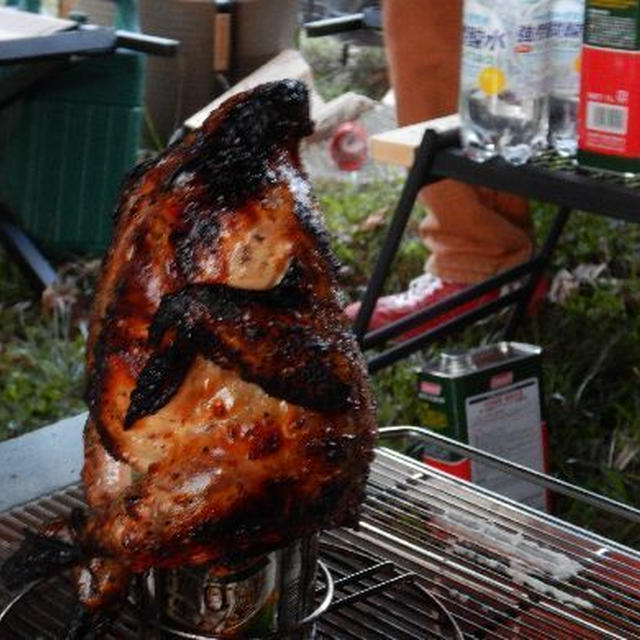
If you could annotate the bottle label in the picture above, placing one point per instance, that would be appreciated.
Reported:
(566, 41)
(503, 99)
(505, 49)
(532, 28)
(484, 43)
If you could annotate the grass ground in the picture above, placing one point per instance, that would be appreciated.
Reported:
(41, 348)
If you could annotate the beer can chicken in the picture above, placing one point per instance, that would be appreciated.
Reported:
(229, 411)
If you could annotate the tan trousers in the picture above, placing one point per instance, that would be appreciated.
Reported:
(471, 232)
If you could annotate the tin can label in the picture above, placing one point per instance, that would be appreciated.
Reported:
(222, 601)
(507, 422)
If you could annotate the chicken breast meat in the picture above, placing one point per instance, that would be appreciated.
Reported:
(229, 406)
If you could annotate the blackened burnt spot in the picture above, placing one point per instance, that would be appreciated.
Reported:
(308, 218)
(287, 359)
(333, 493)
(130, 505)
(293, 290)
(332, 448)
(255, 332)
(196, 237)
(265, 444)
(159, 381)
(253, 515)
(231, 159)
(195, 303)
(300, 371)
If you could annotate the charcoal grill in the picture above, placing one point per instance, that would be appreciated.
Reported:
(434, 557)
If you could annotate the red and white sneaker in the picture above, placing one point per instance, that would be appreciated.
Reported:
(423, 292)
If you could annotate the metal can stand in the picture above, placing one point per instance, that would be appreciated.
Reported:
(272, 595)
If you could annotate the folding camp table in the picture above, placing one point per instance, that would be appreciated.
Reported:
(431, 150)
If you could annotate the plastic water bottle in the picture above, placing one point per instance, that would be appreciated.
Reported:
(503, 94)
(567, 19)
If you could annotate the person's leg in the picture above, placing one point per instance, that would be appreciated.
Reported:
(471, 232)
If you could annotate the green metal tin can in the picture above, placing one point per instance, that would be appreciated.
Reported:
(488, 397)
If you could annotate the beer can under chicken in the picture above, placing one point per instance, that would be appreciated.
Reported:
(257, 598)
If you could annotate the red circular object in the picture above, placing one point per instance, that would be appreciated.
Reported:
(348, 146)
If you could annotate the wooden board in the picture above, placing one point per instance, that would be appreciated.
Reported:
(398, 146)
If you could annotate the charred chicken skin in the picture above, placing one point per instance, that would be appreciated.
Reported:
(228, 401)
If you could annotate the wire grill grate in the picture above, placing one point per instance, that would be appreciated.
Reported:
(501, 570)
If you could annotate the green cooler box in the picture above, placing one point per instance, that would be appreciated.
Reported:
(66, 146)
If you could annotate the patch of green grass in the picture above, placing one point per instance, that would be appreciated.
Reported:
(41, 377)
(357, 218)
(41, 357)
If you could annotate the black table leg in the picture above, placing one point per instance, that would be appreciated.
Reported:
(417, 178)
(544, 255)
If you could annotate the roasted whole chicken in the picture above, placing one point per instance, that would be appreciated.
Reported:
(229, 411)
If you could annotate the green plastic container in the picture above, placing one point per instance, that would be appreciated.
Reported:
(67, 145)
